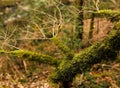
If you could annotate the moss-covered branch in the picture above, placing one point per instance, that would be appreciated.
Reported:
(66, 50)
(2, 51)
(113, 16)
(32, 56)
(106, 50)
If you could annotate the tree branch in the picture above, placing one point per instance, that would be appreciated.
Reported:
(82, 62)
(113, 16)
(32, 56)
(66, 50)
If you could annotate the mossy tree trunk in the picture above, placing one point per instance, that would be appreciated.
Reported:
(82, 62)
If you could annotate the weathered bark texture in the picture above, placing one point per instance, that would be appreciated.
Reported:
(91, 26)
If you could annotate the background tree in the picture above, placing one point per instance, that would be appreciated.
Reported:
(79, 21)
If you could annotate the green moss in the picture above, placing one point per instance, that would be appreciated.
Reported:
(82, 62)
(66, 50)
(111, 15)
(31, 56)
(117, 26)
(2, 51)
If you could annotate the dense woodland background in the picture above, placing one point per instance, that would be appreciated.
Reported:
(59, 44)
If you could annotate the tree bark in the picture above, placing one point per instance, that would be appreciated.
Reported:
(91, 28)
(83, 61)
(79, 19)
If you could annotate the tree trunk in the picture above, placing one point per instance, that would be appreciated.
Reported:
(91, 29)
(82, 62)
(79, 19)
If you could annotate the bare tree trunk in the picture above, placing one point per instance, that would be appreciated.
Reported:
(91, 26)
(79, 20)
